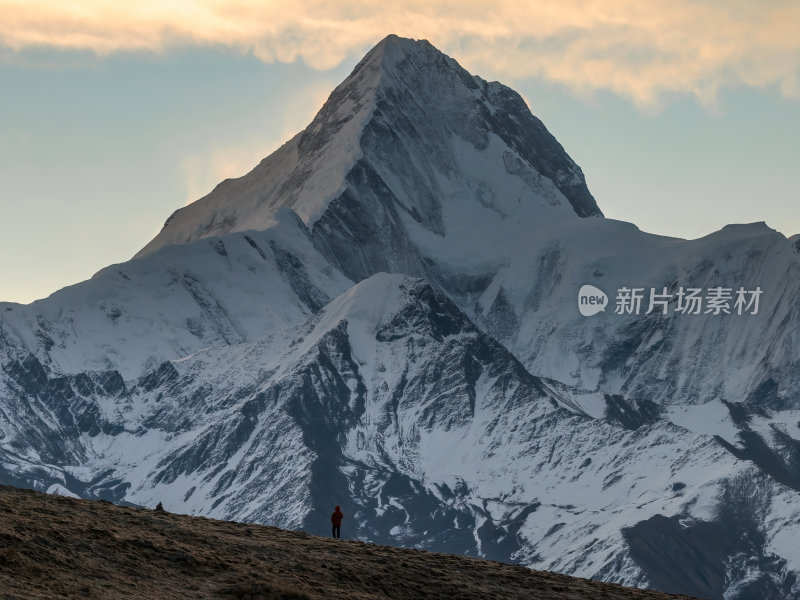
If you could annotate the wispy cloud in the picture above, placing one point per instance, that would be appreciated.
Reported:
(639, 50)
(207, 166)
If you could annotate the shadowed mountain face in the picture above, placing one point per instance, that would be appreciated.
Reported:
(383, 315)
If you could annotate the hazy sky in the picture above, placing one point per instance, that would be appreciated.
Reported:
(683, 118)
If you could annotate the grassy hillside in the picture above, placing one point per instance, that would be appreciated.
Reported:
(53, 547)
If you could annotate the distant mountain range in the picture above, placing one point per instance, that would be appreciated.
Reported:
(385, 314)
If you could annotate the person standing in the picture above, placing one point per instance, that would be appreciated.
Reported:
(336, 522)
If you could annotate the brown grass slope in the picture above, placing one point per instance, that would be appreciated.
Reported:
(55, 547)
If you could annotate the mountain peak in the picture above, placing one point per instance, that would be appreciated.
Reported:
(396, 58)
(405, 305)
(395, 129)
(393, 48)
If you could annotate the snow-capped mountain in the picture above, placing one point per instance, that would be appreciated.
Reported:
(412, 161)
(384, 314)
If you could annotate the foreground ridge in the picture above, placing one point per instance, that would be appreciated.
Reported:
(52, 546)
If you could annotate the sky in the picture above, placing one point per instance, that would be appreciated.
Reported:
(683, 115)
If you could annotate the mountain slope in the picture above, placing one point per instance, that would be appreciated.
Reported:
(428, 432)
(181, 299)
(137, 553)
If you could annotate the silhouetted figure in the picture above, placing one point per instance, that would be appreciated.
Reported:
(336, 521)
(160, 507)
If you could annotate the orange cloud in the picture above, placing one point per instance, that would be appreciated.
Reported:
(636, 49)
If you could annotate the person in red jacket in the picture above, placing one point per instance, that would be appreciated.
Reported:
(336, 521)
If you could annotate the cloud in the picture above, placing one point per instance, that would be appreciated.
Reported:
(204, 168)
(640, 50)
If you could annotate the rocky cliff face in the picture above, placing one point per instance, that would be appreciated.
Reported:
(384, 315)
